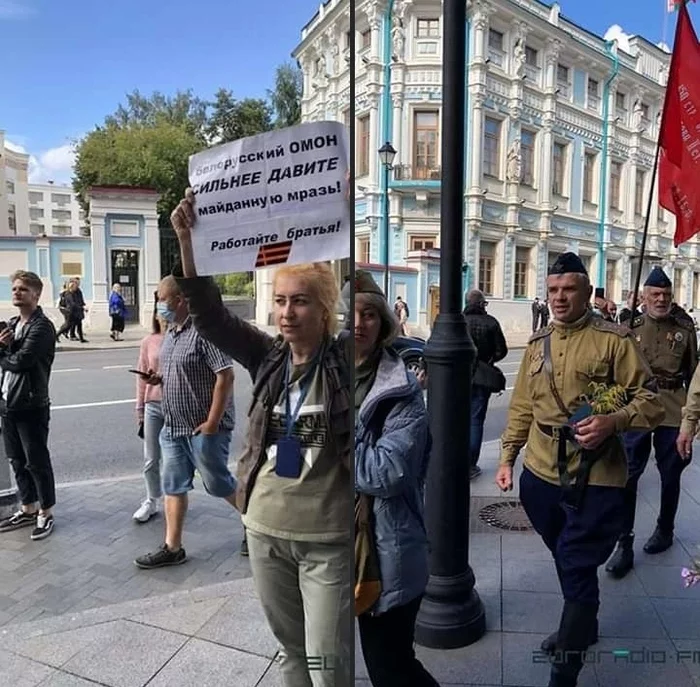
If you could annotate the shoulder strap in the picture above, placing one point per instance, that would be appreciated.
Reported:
(550, 375)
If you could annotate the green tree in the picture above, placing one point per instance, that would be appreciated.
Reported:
(285, 97)
(153, 156)
(231, 119)
(236, 284)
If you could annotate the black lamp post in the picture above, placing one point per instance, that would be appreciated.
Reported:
(386, 157)
(452, 614)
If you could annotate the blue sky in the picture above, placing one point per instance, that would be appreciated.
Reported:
(67, 64)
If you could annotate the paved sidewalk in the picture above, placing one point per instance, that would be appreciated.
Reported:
(75, 611)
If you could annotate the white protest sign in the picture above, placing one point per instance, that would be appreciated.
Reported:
(273, 199)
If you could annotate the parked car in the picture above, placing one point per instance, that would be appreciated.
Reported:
(410, 349)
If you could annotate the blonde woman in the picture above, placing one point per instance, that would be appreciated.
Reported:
(295, 475)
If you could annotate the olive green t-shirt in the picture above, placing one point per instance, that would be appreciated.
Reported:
(313, 507)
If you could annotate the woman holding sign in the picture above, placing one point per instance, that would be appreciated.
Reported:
(295, 476)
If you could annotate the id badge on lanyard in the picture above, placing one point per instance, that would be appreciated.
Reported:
(289, 460)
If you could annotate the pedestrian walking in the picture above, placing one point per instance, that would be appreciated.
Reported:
(64, 309)
(117, 311)
(487, 335)
(574, 473)
(392, 443)
(149, 411)
(295, 475)
(27, 349)
(669, 344)
(544, 313)
(198, 412)
(78, 310)
(536, 308)
(72, 310)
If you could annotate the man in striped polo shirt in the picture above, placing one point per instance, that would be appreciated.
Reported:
(198, 407)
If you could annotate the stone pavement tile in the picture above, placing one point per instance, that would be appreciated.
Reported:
(524, 547)
(630, 616)
(492, 608)
(57, 648)
(241, 624)
(666, 581)
(479, 663)
(524, 664)
(60, 679)
(127, 654)
(679, 617)
(187, 620)
(18, 671)
(535, 612)
(484, 547)
(688, 653)
(629, 585)
(272, 678)
(651, 662)
(210, 665)
(530, 576)
(487, 574)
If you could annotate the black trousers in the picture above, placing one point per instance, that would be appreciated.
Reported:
(387, 646)
(76, 327)
(117, 323)
(26, 437)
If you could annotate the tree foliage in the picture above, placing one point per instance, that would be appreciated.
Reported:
(148, 139)
(285, 97)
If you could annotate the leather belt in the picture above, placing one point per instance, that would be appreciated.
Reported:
(669, 384)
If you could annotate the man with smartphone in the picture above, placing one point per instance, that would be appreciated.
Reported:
(27, 348)
(198, 410)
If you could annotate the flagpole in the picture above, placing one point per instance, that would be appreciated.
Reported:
(645, 233)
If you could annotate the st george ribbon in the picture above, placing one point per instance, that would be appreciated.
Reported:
(272, 199)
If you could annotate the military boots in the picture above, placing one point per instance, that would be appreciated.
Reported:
(659, 541)
(622, 560)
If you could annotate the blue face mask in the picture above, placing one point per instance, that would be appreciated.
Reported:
(165, 312)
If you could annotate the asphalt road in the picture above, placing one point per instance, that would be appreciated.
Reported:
(93, 418)
(93, 421)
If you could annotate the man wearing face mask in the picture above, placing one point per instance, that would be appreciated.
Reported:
(198, 410)
(669, 344)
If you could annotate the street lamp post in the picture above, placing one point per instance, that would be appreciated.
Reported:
(452, 614)
(386, 157)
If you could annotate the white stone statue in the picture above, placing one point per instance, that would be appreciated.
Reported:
(398, 38)
(513, 165)
(638, 115)
(335, 54)
(519, 57)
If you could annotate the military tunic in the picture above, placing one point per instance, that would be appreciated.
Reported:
(590, 350)
(670, 347)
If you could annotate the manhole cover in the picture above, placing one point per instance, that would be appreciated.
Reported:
(506, 515)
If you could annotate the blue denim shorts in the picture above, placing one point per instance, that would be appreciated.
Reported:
(207, 453)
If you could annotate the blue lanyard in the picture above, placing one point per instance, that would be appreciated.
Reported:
(304, 386)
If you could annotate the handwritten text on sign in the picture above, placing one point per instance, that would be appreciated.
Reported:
(268, 199)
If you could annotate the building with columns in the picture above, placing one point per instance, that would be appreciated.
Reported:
(561, 128)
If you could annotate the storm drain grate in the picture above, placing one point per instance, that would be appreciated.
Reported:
(489, 514)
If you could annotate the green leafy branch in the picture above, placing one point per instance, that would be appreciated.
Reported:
(604, 399)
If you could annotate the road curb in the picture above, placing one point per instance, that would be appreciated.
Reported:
(61, 348)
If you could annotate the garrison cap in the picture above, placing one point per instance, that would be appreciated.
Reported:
(568, 263)
(364, 283)
(657, 278)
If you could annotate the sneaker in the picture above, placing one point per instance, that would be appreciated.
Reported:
(146, 511)
(244, 547)
(161, 558)
(44, 527)
(18, 520)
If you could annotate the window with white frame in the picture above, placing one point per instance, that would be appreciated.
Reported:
(593, 94)
(492, 147)
(615, 178)
(496, 52)
(589, 160)
(639, 192)
(363, 249)
(487, 261)
(558, 168)
(427, 28)
(563, 80)
(520, 275)
(422, 242)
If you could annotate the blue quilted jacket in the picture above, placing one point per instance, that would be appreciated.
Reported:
(392, 442)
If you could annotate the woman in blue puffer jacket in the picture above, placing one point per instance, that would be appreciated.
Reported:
(391, 454)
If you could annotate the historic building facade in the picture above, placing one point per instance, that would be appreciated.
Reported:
(561, 129)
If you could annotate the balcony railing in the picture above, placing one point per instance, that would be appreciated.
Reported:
(417, 173)
(593, 102)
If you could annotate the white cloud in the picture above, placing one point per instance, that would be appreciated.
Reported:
(615, 33)
(54, 164)
(15, 9)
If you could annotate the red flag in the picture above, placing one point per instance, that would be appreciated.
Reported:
(679, 137)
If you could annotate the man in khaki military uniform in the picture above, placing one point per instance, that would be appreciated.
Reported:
(574, 473)
(669, 344)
